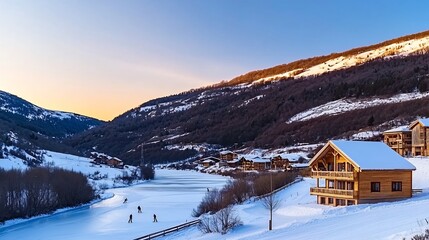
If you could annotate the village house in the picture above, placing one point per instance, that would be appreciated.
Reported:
(227, 155)
(278, 162)
(257, 163)
(115, 162)
(101, 158)
(354, 172)
(208, 161)
(420, 137)
(399, 139)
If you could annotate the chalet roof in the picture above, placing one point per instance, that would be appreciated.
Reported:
(226, 152)
(398, 129)
(423, 121)
(210, 158)
(369, 155)
(208, 161)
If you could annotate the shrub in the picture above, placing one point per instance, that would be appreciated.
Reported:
(220, 222)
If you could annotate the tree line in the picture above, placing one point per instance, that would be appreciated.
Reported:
(36, 191)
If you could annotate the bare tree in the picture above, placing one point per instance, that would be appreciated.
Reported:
(221, 222)
(270, 201)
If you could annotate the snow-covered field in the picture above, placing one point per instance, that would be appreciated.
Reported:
(173, 195)
(299, 217)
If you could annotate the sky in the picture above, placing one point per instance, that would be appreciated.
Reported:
(102, 58)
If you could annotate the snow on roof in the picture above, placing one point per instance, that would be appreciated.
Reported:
(372, 155)
(399, 129)
(424, 122)
(225, 152)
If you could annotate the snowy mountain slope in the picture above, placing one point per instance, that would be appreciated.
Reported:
(271, 114)
(345, 105)
(395, 50)
(51, 123)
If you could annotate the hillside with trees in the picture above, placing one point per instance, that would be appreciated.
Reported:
(257, 115)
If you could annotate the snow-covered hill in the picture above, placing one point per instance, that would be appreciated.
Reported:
(399, 49)
(23, 114)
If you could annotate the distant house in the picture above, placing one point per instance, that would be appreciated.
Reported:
(101, 158)
(227, 155)
(115, 162)
(255, 163)
(420, 137)
(278, 162)
(399, 139)
(353, 172)
(246, 164)
(208, 161)
(261, 164)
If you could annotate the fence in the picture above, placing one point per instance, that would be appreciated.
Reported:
(168, 230)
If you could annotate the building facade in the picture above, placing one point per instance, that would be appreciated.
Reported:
(353, 172)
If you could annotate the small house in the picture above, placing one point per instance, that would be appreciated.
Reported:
(399, 139)
(278, 162)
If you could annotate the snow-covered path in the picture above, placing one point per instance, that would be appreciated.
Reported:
(171, 196)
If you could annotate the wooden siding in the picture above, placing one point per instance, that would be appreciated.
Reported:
(385, 178)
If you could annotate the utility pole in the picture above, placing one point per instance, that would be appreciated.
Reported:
(142, 155)
(270, 225)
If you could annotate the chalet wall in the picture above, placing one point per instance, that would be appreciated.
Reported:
(385, 178)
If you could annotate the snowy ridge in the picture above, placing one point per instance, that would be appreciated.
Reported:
(401, 49)
(345, 105)
(8, 103)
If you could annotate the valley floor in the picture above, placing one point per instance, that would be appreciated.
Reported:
(173, 195)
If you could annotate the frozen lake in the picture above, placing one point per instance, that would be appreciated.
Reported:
(171, 196)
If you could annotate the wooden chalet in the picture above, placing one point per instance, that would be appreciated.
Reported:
(279, 162)
(208, 161)
(227, 156)
(115, 162)
(261, 164)
(353, 172)
(257, 163)
(420, 137)
(399, 139)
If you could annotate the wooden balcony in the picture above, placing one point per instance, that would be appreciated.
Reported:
(333, 192)
(334, 175)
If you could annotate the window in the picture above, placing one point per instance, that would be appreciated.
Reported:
(375, 186)
(341, 167)
(322, 200)
(330, 200)
(330, 183)
(396, 186)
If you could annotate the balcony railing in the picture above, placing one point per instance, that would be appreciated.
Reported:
(332, 174)
(331, 191)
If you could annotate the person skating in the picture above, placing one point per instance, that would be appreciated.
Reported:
(125, 200)
(139, 209)
(131, 219)
(154, 218)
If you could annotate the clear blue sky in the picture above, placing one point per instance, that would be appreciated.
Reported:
(101, 58)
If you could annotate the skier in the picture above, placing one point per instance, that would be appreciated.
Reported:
(154, 218)
(131, 219)
(139, 209)
(125, 200)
